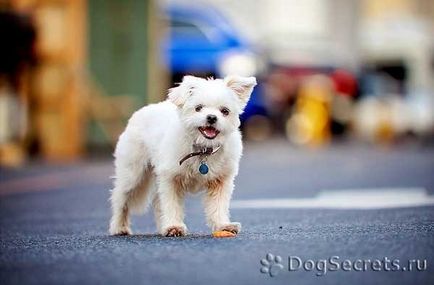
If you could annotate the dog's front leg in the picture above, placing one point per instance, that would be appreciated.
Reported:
(216, 200)
(170, 207)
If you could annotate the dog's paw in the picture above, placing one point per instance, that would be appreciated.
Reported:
(120, 231)
(233, 227)
(175, 231)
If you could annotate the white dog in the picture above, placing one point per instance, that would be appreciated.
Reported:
(187, 143)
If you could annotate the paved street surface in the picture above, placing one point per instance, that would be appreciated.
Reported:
(53, 223)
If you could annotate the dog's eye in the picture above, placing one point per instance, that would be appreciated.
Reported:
(225, 111)
(198, 108)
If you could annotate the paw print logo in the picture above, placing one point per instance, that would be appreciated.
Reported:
(271, 265)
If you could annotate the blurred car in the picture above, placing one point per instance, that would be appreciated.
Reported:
(202, 42)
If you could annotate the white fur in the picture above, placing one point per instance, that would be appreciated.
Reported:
(157, 136)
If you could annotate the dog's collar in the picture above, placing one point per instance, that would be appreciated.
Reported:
(203, 151)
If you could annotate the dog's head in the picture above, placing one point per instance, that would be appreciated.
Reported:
(210, 108)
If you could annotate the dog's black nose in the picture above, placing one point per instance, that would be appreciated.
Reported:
(211, 119)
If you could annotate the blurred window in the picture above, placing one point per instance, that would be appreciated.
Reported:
(186, 29)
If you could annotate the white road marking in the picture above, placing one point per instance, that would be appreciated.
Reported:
(380, 198)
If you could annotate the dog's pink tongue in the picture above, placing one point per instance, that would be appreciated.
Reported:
(210, 132)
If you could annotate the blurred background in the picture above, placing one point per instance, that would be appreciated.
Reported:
(73, 71)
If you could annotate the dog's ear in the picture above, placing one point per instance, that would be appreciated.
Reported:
(178, 95)
(241, 86)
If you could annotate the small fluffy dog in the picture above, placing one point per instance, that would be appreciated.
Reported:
(189, 142)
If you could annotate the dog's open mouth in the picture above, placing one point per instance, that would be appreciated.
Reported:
(209, 132)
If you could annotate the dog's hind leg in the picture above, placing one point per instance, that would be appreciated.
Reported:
(133, 178)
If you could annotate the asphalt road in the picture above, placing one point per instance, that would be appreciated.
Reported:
(53, 224)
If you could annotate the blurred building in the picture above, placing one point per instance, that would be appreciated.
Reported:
(96, 61)
(396, 40)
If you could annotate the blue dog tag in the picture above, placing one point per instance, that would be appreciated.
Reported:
(203, 168)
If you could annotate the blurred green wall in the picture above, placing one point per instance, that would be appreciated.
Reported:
(118, 46)
(118, 51)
